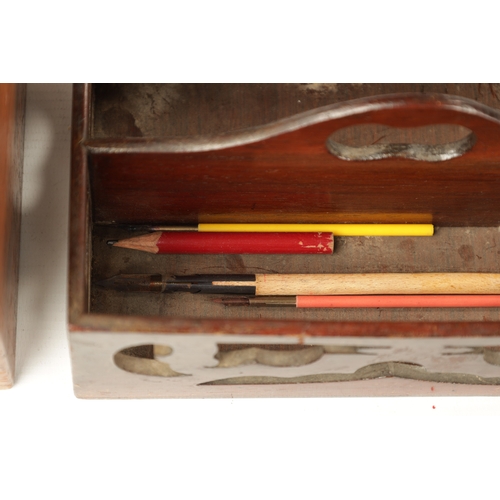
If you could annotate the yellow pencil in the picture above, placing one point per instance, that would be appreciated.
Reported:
(336, 229)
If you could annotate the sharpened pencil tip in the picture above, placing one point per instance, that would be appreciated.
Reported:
(111, 242)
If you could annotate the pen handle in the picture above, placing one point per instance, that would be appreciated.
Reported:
(377, 284)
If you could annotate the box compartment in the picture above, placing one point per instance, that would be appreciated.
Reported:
(185, 154)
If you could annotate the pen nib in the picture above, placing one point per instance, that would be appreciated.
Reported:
(133, 283)
(232, 301)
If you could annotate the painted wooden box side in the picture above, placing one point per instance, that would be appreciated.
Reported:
(12, 104)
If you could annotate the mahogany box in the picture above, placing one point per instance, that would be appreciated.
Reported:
(12, 109)
(183, 154)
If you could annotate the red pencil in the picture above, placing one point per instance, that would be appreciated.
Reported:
(230, 243)
(358, 301)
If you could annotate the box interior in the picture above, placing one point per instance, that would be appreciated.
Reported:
(122, 114)
(449, 250)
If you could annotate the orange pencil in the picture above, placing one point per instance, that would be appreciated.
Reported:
(358, 301)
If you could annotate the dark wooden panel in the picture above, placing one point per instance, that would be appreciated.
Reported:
(80, 221)
(284, 173)
(12, 104)
(187, 110)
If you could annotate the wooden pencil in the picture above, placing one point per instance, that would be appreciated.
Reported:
(230, 243)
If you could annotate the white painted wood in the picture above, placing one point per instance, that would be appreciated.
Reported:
(97, 376)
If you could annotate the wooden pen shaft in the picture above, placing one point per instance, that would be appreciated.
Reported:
(377, 284)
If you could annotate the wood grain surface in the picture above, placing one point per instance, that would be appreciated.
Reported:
(262, 170)
(12, 102)
(377, 284)
(190, 110)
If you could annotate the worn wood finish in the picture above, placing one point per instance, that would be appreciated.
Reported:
(123, 164)
(253, 175)
(80, 221)
(202, 366)
(12, 103)
(190, 110)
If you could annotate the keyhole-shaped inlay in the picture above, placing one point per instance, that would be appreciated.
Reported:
(374, 142)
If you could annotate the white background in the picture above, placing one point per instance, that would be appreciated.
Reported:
(55, 446)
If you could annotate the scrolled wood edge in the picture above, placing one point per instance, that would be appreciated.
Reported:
(331, 113)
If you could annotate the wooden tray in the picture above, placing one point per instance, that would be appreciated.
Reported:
(186, 154)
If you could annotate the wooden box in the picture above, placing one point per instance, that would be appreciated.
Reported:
(12, 106)
(187, 154)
